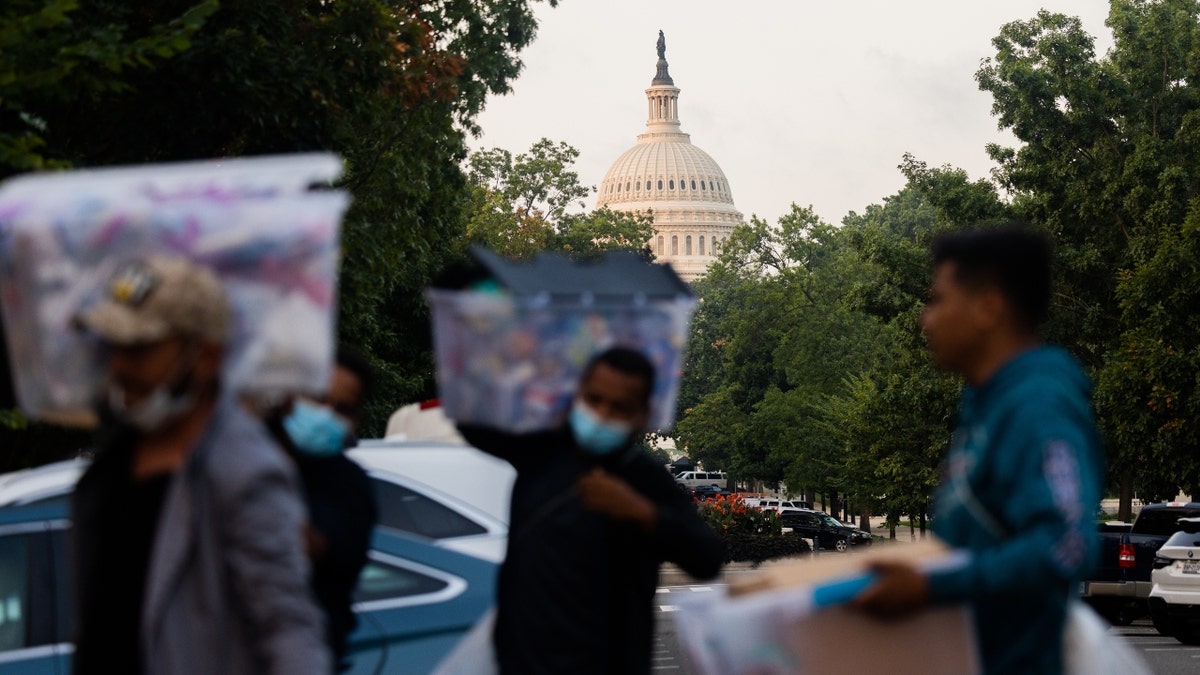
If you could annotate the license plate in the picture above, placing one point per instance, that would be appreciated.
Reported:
(1191, 566)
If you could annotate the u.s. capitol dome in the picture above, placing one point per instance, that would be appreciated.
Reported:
(681, 184)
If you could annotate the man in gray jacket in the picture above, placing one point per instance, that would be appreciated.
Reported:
(188, 554)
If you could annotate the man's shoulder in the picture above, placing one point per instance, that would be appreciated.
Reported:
(238, 446)
(641, 466)
(337, 470)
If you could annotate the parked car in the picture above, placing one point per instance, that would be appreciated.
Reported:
(780, 505)
(1117, 589)
(694, 479)
(1174, 600)
(448, 492)
(414, 600)
(826, 531)
(703, 492)
(430, 575)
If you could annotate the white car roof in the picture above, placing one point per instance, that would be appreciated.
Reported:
(26, 485)
(460, 471)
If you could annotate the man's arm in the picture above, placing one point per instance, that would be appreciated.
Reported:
(683, 536)
(344, 519)
(665, 513)
(1049, 513)
(516, 449)
(262, 523)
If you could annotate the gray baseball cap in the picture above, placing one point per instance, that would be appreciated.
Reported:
(159, 297)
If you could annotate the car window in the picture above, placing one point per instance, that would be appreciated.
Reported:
(409, 511)
(1184, 539)
(1161, 521)
(64, 614)
(28, 612)
(381, 581)
(14, 592)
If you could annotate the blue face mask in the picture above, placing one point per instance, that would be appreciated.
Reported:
(596, 435)
(315, 429)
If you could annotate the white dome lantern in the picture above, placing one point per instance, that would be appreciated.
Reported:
(683, 186)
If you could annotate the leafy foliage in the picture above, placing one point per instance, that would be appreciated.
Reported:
(1107, 165)
(757, 548)
(750, 534)
(519, 206)
(730, 514)
(392, 86)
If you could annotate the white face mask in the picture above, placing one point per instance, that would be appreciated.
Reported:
(152, 412)
(164, 404)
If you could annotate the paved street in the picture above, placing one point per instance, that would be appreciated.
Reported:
(668, 656)
(1166, 656)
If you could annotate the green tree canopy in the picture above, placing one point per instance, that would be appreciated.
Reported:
(392, 86)
(1108, 165)
(520, 206)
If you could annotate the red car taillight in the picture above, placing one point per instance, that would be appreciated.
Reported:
(1126, 556)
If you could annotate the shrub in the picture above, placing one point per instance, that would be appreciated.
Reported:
(758, 548)
(730, 515)
(750, 534)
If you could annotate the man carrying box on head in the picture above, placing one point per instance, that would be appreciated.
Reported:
(592, 519)
(188, 552)
(1021, 481)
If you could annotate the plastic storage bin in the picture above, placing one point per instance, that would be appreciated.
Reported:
(273, 243)
(510, 357)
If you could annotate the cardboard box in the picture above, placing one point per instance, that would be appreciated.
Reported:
(787, 618)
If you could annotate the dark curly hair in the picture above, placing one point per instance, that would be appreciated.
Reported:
(1012, 258)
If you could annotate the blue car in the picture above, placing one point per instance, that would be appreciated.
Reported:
(415, 600)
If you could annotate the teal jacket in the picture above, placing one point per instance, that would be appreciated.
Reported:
(1019, 491)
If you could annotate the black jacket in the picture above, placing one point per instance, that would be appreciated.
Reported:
(576, 589)
(341, 506)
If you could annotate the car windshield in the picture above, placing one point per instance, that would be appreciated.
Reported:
(833, 522)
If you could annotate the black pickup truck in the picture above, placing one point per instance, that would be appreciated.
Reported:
(1118, 588)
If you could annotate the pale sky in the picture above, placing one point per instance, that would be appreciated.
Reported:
(797, 101)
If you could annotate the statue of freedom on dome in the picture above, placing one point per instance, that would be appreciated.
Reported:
(662, 45)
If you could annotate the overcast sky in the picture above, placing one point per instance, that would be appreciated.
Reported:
(798, 101)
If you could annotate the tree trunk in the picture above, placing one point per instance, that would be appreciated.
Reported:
(924, 508)
(1125, 501)
(833, 504)
(864, 517)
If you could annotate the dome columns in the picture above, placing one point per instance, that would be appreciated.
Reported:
(663, 106)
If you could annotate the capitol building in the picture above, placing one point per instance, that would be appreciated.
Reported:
(680, 183)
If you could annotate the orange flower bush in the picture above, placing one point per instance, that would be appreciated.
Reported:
(730, 514)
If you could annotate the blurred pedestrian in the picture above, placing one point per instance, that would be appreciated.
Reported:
(188, 554)
(338, 493)
(1022, 478)
(593, 517)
